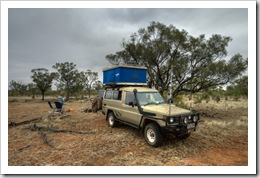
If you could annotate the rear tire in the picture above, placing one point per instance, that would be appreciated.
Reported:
(111, 120)
(153, 135)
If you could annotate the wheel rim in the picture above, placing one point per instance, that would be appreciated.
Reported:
(150, 135)
(111, 120)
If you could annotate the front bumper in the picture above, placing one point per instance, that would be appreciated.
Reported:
(182, 124)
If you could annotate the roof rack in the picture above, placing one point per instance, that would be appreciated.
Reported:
(120, 85)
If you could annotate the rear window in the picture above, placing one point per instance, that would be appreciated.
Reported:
(101, 93)
(113, 94)
(117, 95)
(108, 94)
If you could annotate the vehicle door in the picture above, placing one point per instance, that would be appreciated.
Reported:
(130, 111)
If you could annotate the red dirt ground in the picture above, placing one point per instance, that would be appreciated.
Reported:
(221, 139)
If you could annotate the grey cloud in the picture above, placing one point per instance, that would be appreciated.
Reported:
(42, 37)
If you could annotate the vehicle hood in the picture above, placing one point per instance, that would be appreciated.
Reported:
(163, 109)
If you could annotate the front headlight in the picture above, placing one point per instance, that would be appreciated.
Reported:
(185, 120)
(171, 120)
(195, 118)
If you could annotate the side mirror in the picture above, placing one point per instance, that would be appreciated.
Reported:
(131, 104)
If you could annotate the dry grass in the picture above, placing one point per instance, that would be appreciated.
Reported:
(235, 124)
(218, 132)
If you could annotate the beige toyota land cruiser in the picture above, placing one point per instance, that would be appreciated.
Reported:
(145, 109)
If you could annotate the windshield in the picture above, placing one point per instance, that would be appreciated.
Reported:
(146, 98)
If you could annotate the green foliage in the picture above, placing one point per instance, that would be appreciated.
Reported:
(17, 88)
(90, 80)
(42, 79)
(69, 78)
(197, 100)
(98, 85)
(178, 100)
(69, 81)
(54, 93)
(238, 88)
(32, 89)
(192, 64)
(205, 96)
(13, 100)
(215, 94)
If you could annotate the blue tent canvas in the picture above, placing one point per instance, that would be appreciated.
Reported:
(124, 75)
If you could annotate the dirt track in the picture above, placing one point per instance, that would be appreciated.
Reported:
(221, 139)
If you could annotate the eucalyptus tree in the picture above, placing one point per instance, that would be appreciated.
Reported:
(177, 60)
(42, 79)
(68, 77)
(89, 79)
(98, 85)
(239, 87)
(16, 88)
(32, 89)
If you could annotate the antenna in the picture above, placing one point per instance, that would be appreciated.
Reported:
(191, 96)
(170, 99)
(190, 100)
(169, 96)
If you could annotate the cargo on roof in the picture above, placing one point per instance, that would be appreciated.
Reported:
(124, 75)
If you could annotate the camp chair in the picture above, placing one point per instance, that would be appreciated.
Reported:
(58, 107)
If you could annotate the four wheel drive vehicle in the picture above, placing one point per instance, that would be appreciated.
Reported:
(145, 109)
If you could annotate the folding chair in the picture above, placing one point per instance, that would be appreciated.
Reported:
(58, 107)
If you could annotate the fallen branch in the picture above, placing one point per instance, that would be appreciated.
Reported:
(44, 138)
(21, 149)
(64, 116)
(34, 127)
(14, 124)
(88, 110)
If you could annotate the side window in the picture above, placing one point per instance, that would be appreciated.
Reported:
(100, 94)
(108, 94)
(129, 98)
(117, 95)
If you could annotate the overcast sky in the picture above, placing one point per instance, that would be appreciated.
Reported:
(39, 38)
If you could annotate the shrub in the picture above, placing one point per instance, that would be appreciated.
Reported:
(178, 100)
(13, 100)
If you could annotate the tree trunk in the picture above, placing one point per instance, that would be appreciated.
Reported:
(67, 92)
(89, 94)
(42, 95)
(67, 96)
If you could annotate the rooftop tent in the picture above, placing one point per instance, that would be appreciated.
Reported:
(124, 75)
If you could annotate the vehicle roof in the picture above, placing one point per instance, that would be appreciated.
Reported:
(139, 89)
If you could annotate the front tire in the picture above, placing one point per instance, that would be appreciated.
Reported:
(111, 120)
(153, 135)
